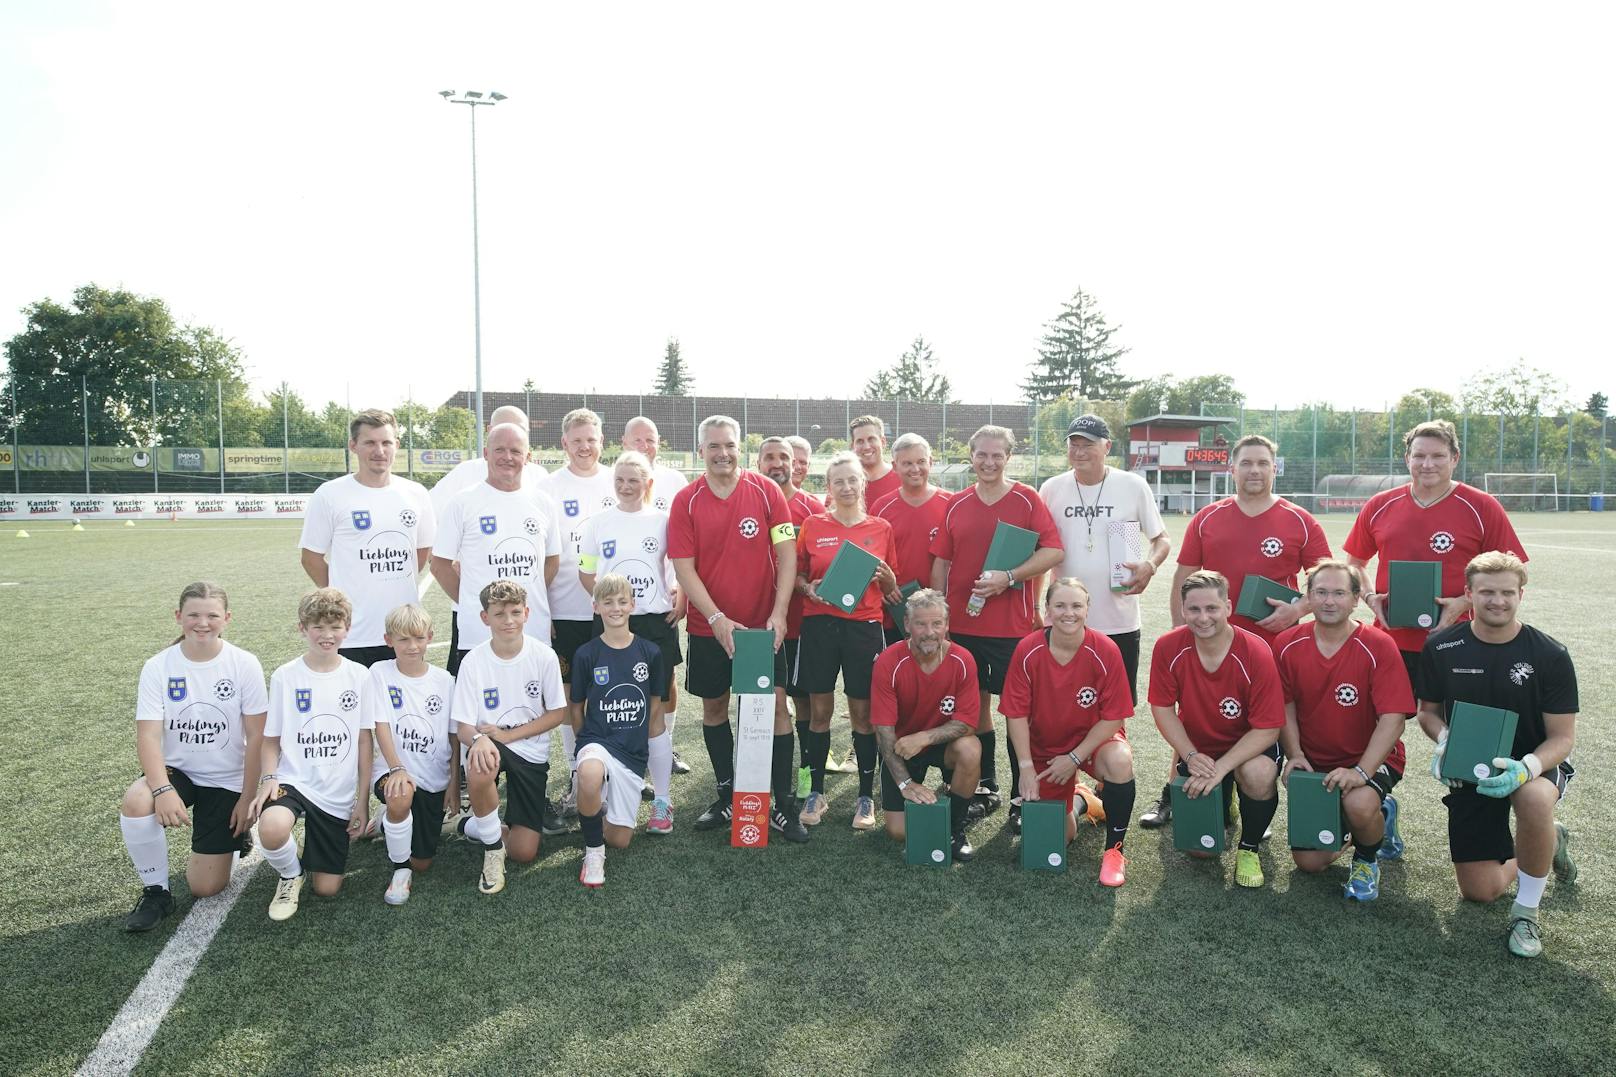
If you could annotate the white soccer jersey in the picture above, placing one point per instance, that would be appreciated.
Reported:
(417, 710)
(319, 718)
(632, 544)
(510, 692)
(577, 497)
(665, 482)
(200, 705)
(1122, 496)
(499, 535)
(469, 473)
(372, 535)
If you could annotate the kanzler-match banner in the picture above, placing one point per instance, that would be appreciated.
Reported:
(86, 507)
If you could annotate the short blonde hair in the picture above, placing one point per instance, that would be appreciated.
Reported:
(1000, 432)
(324, 605)
(578, 417)
(868, 420)
(633, 458)
(1202, 578)
(1485, 564)
(408, 620)
(1436, 428)
(502, 593)
(612, 585)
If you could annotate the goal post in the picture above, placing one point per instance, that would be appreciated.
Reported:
(1524, 491)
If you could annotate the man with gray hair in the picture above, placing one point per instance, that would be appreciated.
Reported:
(915, 511)
(641, 435)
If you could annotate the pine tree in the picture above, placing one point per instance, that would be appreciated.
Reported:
(913, 377)
(673, 379)
(1076, 355)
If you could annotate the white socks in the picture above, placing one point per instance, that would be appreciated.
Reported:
(284, 860)
(1529, 889)
(661, 763)
(398, 837)
(485, 828)
(148, 847)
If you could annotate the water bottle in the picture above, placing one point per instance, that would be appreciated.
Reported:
(974, 606)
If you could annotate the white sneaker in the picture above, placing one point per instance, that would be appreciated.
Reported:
(492, 880)
(594, 869)
(284, 903)
(398, 891)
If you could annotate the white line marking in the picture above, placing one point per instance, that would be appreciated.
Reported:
(1573, 549)
(131, 1031)
(435, 646)
(11, 583)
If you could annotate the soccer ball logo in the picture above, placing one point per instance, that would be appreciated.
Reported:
(530, 525)
(1229, 707)
(946, 705)
(1271, 547)
(1346, 694)
(1521, 672)
(434, 704)
(348, 700)
(224, 691)
(533, 689)
(750, 835)
(932, 535)
(648, 544)
(642, 672)
(1441, 542)
(1086, 697)
(407, 518)
(749, 527)
(608, 501)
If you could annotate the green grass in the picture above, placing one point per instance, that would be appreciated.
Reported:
(699, 958)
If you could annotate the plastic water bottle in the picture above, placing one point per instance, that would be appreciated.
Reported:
(974, 606)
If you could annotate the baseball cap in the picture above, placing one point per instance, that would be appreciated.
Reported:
(1089, 426)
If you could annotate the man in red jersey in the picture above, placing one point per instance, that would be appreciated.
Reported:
(1433, 518)
(867, 437)
(775, 461)
(1217, 700)
(924, 706)
(1066, 696)
(1347, 697)
(733, 549)
(915, 511)
(998, 612)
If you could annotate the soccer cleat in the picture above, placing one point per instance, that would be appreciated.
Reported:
(864, 814)
(154, 904)
(284, 904)
(1113, 867)
(551, 821)
(1391, 846)
(1015, 815)
(398, 891)
(960, 848)
(569, 803)
(987, 798)
(1158, 814)
(813, 809)
(1093, 811)
(593, 873)
(787, 826)
(244, 845)
(492, 879)
(1247, 869)
(661, 821)
(805, 782)
(679, 765)
(848, 765)
(1565, 869)
(1525, 934)
(717, 814)
(647, 791)
(1363, 884)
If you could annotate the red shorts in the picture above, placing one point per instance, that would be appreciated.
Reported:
(1048, 790)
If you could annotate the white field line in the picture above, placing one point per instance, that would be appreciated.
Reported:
(130, 1033)
(1571, 549)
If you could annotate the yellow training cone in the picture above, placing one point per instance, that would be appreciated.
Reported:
(129, 523)
(78, 526)
(22, 534)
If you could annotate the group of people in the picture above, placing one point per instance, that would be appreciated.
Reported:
(569, 589)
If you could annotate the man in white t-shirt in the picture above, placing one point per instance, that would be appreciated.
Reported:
(368, 534)
(1084, 501)
(640, 434)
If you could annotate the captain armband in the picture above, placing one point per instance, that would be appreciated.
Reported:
(782, 533)
(588, 562)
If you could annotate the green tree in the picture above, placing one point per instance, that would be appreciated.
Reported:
(452, 428)
(913, 377)
(673, 377)
(1202, 394)
(1516, 390)
(1596, 405)
(1054, 417)
(1077, 356)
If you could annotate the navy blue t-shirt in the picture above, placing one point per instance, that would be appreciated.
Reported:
(615, 687)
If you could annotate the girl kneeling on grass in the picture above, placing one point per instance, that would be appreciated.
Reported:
(199, 720)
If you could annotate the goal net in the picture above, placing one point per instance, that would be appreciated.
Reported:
(1524, 491)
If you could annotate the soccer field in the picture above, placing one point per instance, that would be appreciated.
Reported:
(698, 958)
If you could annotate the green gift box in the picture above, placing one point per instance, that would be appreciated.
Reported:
(752, 671)
(1313, 812)
(1197, 821)
(1414, 587)
(899, 612)
(1255, 591)
(849, 574)
(1043, 835)
(1010, 548)
(1476, 736)
(926, 833)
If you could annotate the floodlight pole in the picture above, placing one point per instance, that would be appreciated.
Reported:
(474, 98)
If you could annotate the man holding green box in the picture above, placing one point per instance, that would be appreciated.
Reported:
(1496, 660)
(1347, 698)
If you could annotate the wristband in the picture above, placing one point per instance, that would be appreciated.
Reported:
(160, 790)
(1361, 773)
(1026, 764)
(716, 615)
(1192, 755)
(1072, 755)
(476, 738)
(904, 784)
(1009, 578)
(1534, 765)
(394, 770)
(267, 778)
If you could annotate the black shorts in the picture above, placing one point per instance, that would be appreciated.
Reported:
(1128, 644)
(707, 673)
(325, 837)
(455, 653)
(654, 628)
(893, 635)
(1478, 826)
(210, 814)
(525, 787)
(992, 654)
(569, 636)
(792, 649)
(426, 819)
(1382, 781)
(891, 795)
(832, 645)
(367, 656)
(1411, 663)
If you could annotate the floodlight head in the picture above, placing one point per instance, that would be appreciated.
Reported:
(446, 94)
(474, 93)
(496, 95)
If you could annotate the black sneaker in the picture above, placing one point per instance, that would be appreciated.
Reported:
(1015, 816)
(679, 765)
(154, 904)
(1158, 814)
(787, 826)
(647, 791)
(718, 814)
(987, 798)
(245, 844)
(550, 821)
(959, 846)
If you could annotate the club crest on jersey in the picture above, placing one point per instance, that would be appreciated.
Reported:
(946, 705)
(489, 524)
(931, 536)
(1441, 542)
(608, 548)
(490, 698)
(570, 506)
(434, 704)
(361, 520)
(224, 690)
(1346, 694)
(608, 501)
(176, 688)
(396, 697)
(603, 675)
(1087, 697)
(642, 672)
(1271, 547)
(348, 700)
(531, 525)
(662, 504)
(1229, 707)
(407, 517)
(648, 544)
(533, 689)
(304, 698)
(749, 527)
(1521, 672)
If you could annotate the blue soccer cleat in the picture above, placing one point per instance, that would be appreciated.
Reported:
(1391, 846)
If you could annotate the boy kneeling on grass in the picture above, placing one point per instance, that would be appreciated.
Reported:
(316, 755)
(508, 696)
(617, 681)
(418, 769)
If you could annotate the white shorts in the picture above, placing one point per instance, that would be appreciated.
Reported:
(622, 789)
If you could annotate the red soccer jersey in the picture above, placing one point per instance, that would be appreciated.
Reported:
(913, 529)
(1279, 543)
(877, 490)
(963, 540)
(732, 540)
(821, 536)
(1464, 523)
(906, 697)
(1218, 708)
(1340, 699)
(1062, 703)
(802, 505)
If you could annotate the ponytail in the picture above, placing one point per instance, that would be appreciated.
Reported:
(200, 589)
